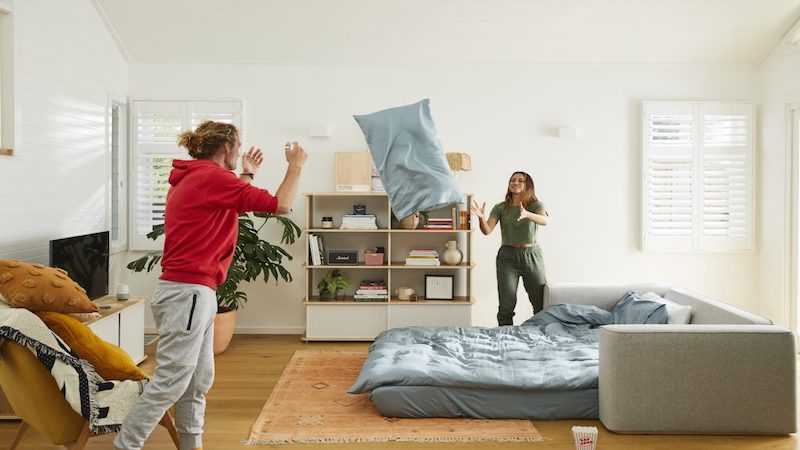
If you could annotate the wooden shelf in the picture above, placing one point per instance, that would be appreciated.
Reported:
(381, 230)
(348, 300)
(402, 265)
(360, 265)
(339, 230)
(460, 300)
(422, 230)
(349, 320)
(346, 194)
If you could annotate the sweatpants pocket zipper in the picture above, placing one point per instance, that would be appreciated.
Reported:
(191, 312)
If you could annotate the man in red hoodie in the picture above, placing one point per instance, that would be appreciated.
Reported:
(201, 226)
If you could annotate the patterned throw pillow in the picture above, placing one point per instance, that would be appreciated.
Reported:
(109, 361)
(40, 288)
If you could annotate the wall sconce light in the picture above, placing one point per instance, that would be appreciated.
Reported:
(568, 133)
(321, 131)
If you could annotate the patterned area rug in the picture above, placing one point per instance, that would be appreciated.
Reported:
(310, 404)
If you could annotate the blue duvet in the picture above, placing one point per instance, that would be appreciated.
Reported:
(555, 350)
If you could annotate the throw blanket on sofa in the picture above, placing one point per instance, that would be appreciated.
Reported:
(105, 404)
(555, 350)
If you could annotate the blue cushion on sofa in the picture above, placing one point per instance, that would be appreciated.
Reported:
(408, 154)
(633, 309)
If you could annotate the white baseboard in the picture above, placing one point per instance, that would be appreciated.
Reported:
(253, 330)
(269, 330)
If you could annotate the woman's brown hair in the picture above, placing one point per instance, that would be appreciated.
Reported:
(528, 195)
(207, 138)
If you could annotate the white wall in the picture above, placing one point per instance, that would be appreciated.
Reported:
(66, 68)
(505, 117)
(780, 83)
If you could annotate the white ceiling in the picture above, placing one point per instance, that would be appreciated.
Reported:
(449, 31)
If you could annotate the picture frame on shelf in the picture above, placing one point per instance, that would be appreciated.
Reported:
(439, 287)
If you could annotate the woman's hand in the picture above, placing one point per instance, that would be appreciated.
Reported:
(478, 209)
(523, 213)
(251, 161)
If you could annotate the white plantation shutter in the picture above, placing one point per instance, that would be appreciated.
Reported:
(669, 176)
(726, 161)
(697, 164)
(156, 125)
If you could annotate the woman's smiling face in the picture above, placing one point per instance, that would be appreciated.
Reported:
(516, 185)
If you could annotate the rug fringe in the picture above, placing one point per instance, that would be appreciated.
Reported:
(251, 442)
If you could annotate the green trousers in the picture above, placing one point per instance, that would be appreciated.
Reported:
(513, 263)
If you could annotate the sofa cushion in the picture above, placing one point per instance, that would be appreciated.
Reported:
(676, 313)
(632, 309)
(40, 288)
(109, 361)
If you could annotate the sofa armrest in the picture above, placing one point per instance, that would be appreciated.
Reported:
(697, 379)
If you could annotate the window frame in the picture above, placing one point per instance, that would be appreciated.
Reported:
(120, 243)
(716, 170)
(6, 80)
(190, 113)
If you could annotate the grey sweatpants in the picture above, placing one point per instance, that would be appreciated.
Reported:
(512, 264)
(184, 314)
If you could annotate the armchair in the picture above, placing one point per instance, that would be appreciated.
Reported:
(37, 400)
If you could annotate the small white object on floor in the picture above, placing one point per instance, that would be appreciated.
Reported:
(585, 437)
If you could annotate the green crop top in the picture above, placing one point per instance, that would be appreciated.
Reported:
(515, 231)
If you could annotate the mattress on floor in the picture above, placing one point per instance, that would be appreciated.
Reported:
(434, 401)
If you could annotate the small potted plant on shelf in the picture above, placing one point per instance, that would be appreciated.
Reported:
(253, 258)
(332, 286)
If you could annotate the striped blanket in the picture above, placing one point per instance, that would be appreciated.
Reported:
(104, 403)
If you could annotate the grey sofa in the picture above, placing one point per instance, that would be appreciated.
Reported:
(728, 372)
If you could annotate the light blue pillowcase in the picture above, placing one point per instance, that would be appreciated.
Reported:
(632, 309)
(408, 154)
(570, 314)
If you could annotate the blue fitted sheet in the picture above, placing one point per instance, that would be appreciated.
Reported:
(435, 401)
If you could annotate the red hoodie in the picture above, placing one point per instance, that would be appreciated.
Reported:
(202, 220)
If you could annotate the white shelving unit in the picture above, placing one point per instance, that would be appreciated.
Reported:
(347, 319)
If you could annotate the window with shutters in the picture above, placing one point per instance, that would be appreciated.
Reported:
(156, 125)
(698, 176)
(119, 182)
(6, 81)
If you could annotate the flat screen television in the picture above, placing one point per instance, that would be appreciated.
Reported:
(85, 258)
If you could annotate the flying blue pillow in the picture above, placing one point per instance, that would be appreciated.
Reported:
(408, 154)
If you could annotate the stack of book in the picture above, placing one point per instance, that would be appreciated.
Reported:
(458, 220)
(435, 223)
(463, 220)
(359, 222)
(423, 257)
(316, 251)
(371, 291)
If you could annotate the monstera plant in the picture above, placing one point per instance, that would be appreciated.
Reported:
(253, 258)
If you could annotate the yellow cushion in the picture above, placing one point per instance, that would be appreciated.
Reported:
(109, 361)
(41, 288)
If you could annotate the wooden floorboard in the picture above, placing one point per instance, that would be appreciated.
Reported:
(248, 370)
